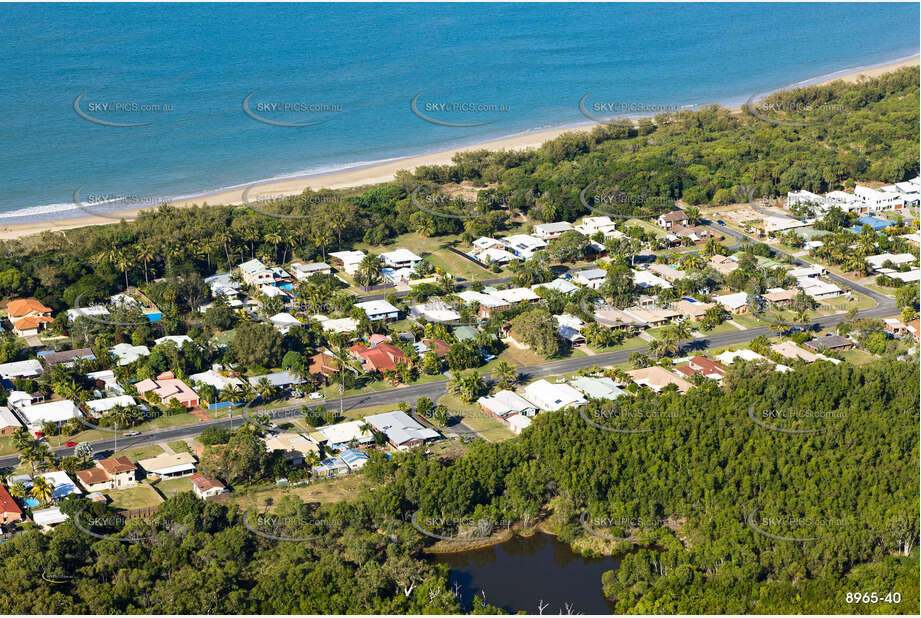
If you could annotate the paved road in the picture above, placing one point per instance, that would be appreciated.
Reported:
(434, 390)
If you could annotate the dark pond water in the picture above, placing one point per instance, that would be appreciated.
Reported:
(520, 573)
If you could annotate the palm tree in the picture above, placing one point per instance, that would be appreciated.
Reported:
(506, 374)
(145, 255)
(18, 490)
(42, 490)
(21, 440)
(274, 239)
(369, 270)
(265, 389)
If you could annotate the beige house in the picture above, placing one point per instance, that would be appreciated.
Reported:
(656, 378)
(691, 311)
(722, 264)
(111, 473)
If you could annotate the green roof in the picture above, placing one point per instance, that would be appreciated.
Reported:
(463, 333)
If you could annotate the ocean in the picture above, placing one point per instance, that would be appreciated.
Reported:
(135, 104)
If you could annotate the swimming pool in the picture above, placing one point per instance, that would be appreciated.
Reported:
(30, 502)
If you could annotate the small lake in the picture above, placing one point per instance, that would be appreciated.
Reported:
(519, 573)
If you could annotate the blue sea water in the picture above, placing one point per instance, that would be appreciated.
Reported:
(529, 64)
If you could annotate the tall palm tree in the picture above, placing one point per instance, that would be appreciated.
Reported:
(146, 254)
(42, 490)
(369, 270)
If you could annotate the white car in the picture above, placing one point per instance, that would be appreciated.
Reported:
(315, 396)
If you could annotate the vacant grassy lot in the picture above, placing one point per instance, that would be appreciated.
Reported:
(342, 489)
(141, 452)
(171, 487)
(490, 428)
(180, 446)
(142, 496)
(858, 357)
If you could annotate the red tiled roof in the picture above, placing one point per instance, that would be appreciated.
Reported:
(203, 483)
(116, 465)
(92, 476)
(24, 306)
(7, 503)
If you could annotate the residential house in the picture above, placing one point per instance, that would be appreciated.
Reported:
(494, 255)
(347, 261)
(593, 277)
(57, 412)
(506, 403)
(592, 225)
(334, 466)
(514, 296)
(169, 388)
(896, 259)
(645, 279)
(813, 270)
(10, 424)
(704, 366)
(93, 311)
(400, 258)
(570, 328)
(354, 459)
(169, 465)
(729, 357)
(818, 289)
(106, 382)
(670, 219)
(219, 379)
(779, 296)
(109, 473)
(669, 273)
(524, 246)
(483, 243)
(874, 201)
(651, 316)
(345, 435)
(734, 303)
(438, 347)
(283, 322)
(895, 327)
(277, 379)
(302, 271)
(61, 485)
(691, 309)
(773, 224)
(829, 342)
(48, 518)
(67, 358)
(722, 264)
(295, 448)
(101, 406)
(339, 325)
(435, 310)
(558, 285)
(256, 273)
(548, 231)
(402, 432)
(382, 357)
(790, 350)
(657, 378)
(205, 487)
(10, 513)
(518, 423)
(914, 327)
(28, 316)
(598, 388)
(125, 353)
(486, 303)
(323, 365)
(609, 317)
(377, 310)
(21, 369)
(552, 397)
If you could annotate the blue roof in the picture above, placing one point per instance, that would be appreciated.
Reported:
(353, 455)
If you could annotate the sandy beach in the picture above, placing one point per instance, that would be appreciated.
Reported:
(373, 174)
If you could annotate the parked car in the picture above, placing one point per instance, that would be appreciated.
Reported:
(315, 396)
(70, 443)
(39, 434)
(132, 433)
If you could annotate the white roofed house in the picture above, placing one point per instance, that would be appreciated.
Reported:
(486, 303)
(558, 285)
(518, 423)
(127, 353)
(506, 403)
(897, 259)
(483, 243)
(874, 201)
(216, 379)
(818, 289)
(598, 388)
(21, 369)
(645, 279)
(57, 412)
(524, 246)
(494, 255)
(379, 310)
(169, 465)
(592, 277)
(101, 406)
(592, 225)
(9, 423)
(435, 310)
(733, 303)
(514, 296)
(178, 340)
(402, 431)
(284, 321)
(548, 231)
(303, 271)
(344, 435)
(781, 224)
(552, 397)
(570, 328)
(256, 273)
(348, 261)
(278, 379)
(400, 258)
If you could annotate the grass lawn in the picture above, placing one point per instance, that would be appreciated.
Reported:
(171, 487)
(845, 304)
(359, 413)
(748, 321)
(722, 328)
(521, 358)
(858, 357)
(141, 452)
(138, 497)
(6, 446)
(180, 446)
(492, 429)
(447, 449)
(646, 225)
(342, 489)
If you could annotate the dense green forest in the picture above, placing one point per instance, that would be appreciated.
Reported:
(860, 132)
(729, 491)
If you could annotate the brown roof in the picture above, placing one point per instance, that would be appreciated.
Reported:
(675, 215)
(31, 322)
(203, 483)
(779, 297)
(92, 476)
(323, 364)
(116, 465)
(24, 306)
(439, 347)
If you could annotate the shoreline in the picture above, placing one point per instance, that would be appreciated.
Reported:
(377, 173)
